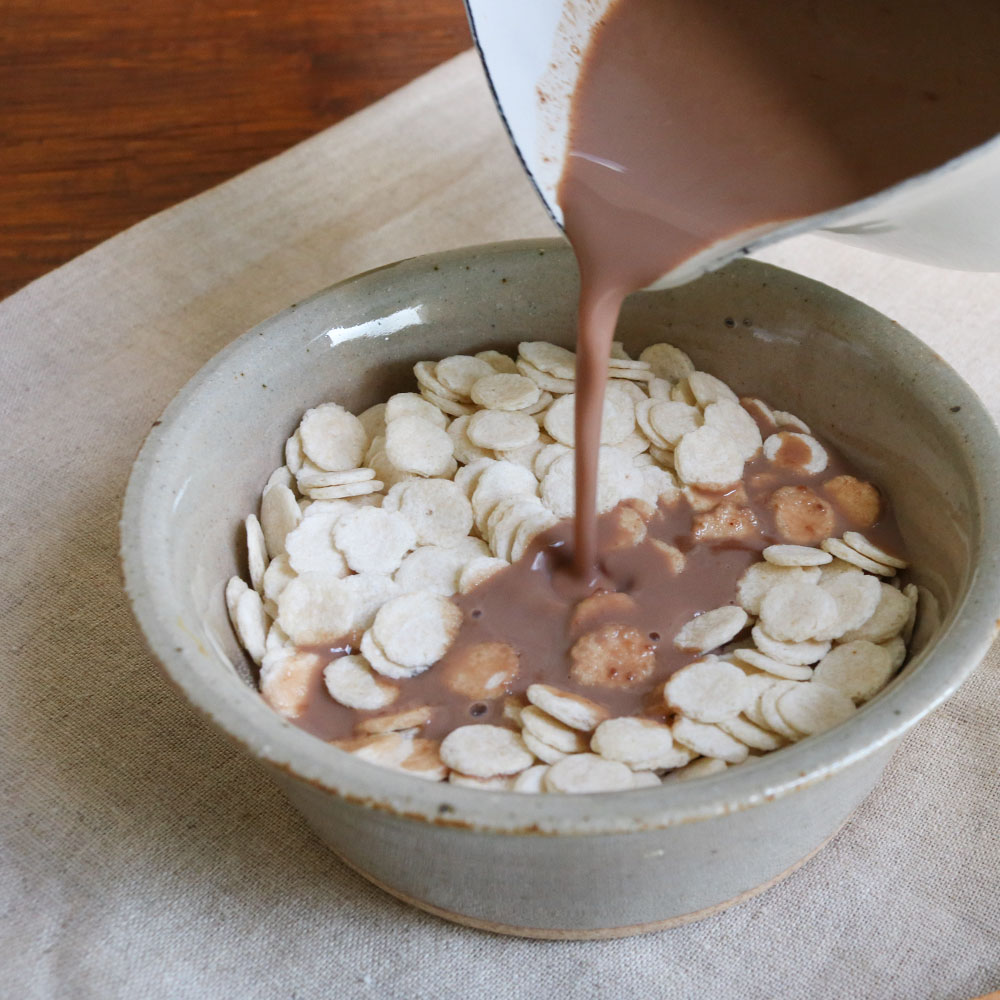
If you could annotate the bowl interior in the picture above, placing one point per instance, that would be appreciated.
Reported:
(873, 390)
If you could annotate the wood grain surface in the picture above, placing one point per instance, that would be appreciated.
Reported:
(113, 110)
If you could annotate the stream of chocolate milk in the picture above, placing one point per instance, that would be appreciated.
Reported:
(696, 120)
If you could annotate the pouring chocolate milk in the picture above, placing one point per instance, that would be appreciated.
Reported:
(671, 135)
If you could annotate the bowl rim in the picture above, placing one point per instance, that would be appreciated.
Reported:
(963, 640)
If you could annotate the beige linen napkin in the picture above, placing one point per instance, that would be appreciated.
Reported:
(142, 856)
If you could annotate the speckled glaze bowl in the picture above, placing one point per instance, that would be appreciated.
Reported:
(591, 865)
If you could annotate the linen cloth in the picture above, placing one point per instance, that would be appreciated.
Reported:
(142, 855)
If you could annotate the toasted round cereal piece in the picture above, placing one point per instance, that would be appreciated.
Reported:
(759, 683)
(708, 691)
(467, 477)
(887, 620)
(708, 740)
(446, 405)
(256, 551)
(345, 492)
(369, 592)
(496, 482)
(759, 578)
(351, 682)
(796, 555)
(310, 547)
(464, 450)
(829, 571)
(235, 589)
(482, 671)
(484, 751)
(411, 404)
(843, 551)
(758, 409)
(602, 606)
(859, 543)
(500, 430)
(667, 362)
(317, 608)
(753, 736)
(783, 418)
(585, 773)
(282, 476)
(545, 382)
(524, 455)
(414, 444)
(711, 629)
(529, 529)
(396, 722)
(478, 570)
(373, 421)
(505, 392)
(375, 655)
(415, 630)
(707, 457)
(674, 560)
(613, 471)
(858, 501)
(544, 459)
(549, 358)
(801, 516)
(772, 667)
(385, 750)
(430, 567)
(277, 576)
(791, 450)
(768, 705)
(251, 624)
(646, 428)
(373, 540)
(502, 528)
(806, 651)
(645, 779)
(794, 612)
(671, 421)
(332, 437)
(635, 444)
(438, 511)
(423, 761)
(279, 514)
(612, 656)
(639, 744)
(541, 749)
(703, 767)
(572, 710)
(460, 373)
(426, 373)
(856, 595)
(734, 421)
(499, 783)
(859, 669)
(311, 477)
(550, 731)
(498, 362)
(286, 683)
(293, 453)
(708, 389)
(895, 647)
(813, 708)
(530, 781)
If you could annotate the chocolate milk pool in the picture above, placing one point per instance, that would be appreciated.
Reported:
(695, 120)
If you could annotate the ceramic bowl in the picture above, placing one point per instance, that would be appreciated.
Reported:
(590, 865)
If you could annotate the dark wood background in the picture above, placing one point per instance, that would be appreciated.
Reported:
(112, 110)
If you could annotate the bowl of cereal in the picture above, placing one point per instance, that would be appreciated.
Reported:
(346, 543)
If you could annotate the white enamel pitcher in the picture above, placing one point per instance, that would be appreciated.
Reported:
(949, 217)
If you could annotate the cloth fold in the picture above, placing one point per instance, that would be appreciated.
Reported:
(142, 855)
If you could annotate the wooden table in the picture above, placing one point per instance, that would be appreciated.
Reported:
(110, 112)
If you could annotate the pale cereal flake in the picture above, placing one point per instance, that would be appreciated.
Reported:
(484, 751)
(732, 419)
(843, 551)
(317, 608)
(415, 630)
(816, 457)
(438, 511)
(639, 744)
(460, 373)
(414, 444)
(505, 392)
(859, 543)
(373, 540)
(350, 681)
(332, 438)
(813, 708)
(586, 773)
(500, 430)
(706, 457)
(667, 362)
(411, 404)
(793, 612)
(478, 570)
(572, 710)
(796, 555)
(712, 629)
(708, 691)
(251, 624)
(887, 620)
(859, 669)
(800, 653)
(709, 741)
